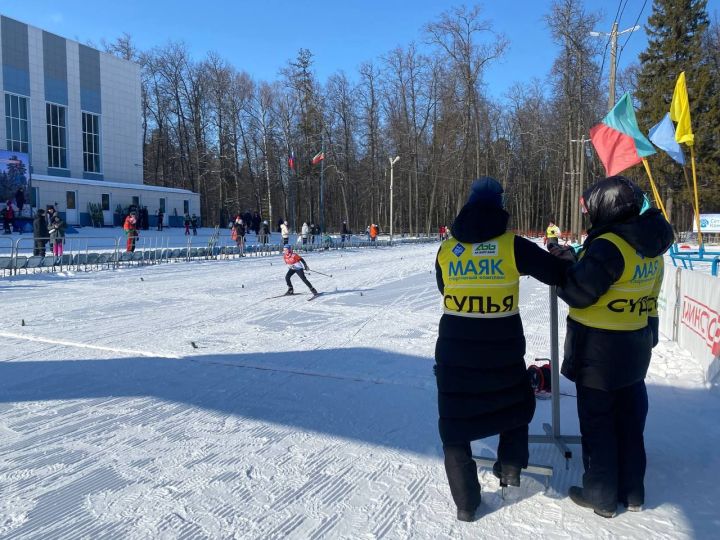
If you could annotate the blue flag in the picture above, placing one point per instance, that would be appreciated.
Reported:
(662, 135)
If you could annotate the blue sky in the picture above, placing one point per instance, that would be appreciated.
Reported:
(261, 36)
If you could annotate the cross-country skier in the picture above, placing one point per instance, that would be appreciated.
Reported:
(297, 265)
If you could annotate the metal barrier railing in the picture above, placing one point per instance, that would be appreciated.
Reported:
(84, 253)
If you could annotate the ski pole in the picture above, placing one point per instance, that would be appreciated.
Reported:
(316, 272)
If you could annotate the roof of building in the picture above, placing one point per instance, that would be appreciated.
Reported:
(103, 183)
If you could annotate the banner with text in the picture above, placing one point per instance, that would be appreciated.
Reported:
(709, 223)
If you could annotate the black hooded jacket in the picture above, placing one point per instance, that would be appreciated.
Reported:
(609, 359)
(483, 387)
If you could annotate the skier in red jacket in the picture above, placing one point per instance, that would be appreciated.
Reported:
(297, 265)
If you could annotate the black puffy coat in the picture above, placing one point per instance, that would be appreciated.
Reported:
(610, 359)
(40, 228)
(483, 388)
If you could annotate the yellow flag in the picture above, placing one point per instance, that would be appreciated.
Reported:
(680, 112)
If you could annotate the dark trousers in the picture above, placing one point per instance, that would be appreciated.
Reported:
(39, 247)
(300, 273)
(461, 469)
(612, 426)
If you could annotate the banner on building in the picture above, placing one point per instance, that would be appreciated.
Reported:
(14, 177)
(709, 223)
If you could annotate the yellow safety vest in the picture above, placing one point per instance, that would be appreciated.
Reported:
(629, 302)
(481, 279)
(552, 232)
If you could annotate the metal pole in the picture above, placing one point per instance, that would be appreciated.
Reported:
(391, 200)
(393, 161)
(322, 173)
(554, 362)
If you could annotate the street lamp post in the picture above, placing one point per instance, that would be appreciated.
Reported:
(393, 161)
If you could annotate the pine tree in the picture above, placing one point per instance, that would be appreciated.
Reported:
(677, 41)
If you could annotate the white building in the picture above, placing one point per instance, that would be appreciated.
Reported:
(77, 112)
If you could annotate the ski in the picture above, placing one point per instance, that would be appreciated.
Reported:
(314, 296)
(281, 295)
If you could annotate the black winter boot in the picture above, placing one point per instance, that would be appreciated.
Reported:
(509, 475)
(576, 495)
(289, 292)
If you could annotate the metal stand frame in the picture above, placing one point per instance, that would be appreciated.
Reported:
(552, 434)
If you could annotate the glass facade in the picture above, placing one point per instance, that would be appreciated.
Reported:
(56, 135)
(16, 123)
(91, 142)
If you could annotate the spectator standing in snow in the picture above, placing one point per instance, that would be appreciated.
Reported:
(50, 214)
(40, 233)
(8, 216)
(373, 232)
(345, 231)
(256, 219)
(304, 233)
(20, 199)
(186, 222)
(238, 234)
(552, 234)
(483, 387)
(284, 232)
(612, 327)
(57, 235)
(160, 217)
(264, 232)
(296, 265)
(130, 228)
(194, 224)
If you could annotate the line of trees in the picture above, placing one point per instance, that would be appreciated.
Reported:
(212, 128)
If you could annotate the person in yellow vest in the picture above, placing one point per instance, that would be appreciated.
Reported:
(552, 234)
(612, 327)
(483, 387)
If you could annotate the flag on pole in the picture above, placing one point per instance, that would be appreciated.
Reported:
(680, 112)
(618, 140)
(291, 160)
(318, 157)
(662, 135)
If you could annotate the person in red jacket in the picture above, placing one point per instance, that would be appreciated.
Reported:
(296, 265)
(130, 228)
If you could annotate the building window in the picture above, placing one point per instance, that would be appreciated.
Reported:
(91, 142)
(16, 123)
(105, 202)
(186, 206)
(70, 200)
(56, 136)
(162, 205)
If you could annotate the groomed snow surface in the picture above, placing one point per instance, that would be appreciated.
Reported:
(177, 401)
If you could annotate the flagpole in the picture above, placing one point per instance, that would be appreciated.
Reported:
(656, 193)
(695, 189)
(322, 174)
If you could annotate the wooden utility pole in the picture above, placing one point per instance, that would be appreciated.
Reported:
(613, 65)
(613, 35)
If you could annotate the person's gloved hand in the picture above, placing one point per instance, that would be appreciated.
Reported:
(566, 253)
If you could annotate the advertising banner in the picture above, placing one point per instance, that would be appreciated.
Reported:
(709, 223)
(14, 178)
(699, 320)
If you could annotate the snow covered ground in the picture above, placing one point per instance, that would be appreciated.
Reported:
(177, 401)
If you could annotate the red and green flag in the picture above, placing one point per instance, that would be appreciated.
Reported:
(618, 140)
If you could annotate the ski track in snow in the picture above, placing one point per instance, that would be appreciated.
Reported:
(287, 418)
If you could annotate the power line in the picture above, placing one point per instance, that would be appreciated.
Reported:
(642, 9)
